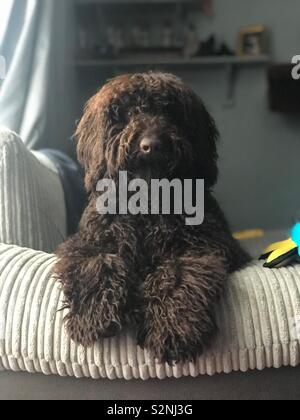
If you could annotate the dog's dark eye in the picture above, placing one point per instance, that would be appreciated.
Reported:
(112, 112)
(173, 112)
(116, 114)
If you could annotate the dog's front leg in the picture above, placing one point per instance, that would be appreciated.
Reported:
(95, 285)
(179, 298)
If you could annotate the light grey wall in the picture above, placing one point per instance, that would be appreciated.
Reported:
(259, 150)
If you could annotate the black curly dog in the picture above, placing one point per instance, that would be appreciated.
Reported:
(150, 270)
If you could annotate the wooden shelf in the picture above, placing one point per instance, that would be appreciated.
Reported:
(201, 61)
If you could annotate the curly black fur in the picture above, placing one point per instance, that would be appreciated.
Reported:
(153, 270)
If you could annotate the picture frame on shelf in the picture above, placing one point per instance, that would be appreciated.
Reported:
(252, 41)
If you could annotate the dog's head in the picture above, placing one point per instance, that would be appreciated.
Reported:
(151, 125)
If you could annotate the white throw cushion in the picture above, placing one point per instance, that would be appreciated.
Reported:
(258, 319)
(32, 204)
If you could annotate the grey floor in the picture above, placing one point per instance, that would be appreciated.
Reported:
(271, 384)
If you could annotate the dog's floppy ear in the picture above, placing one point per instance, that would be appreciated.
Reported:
(89, 141)
(205, 137)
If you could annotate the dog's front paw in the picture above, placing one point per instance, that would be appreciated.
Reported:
(93, 325)
(176, 331)
(96, 290)
(178, 320)
(174, 342)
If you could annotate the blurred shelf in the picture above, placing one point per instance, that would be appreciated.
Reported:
(201, 61)
(116, 2)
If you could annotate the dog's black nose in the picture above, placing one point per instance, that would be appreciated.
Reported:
(150, 145)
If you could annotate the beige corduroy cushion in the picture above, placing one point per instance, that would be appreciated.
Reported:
(258, 320)
(32, 204)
